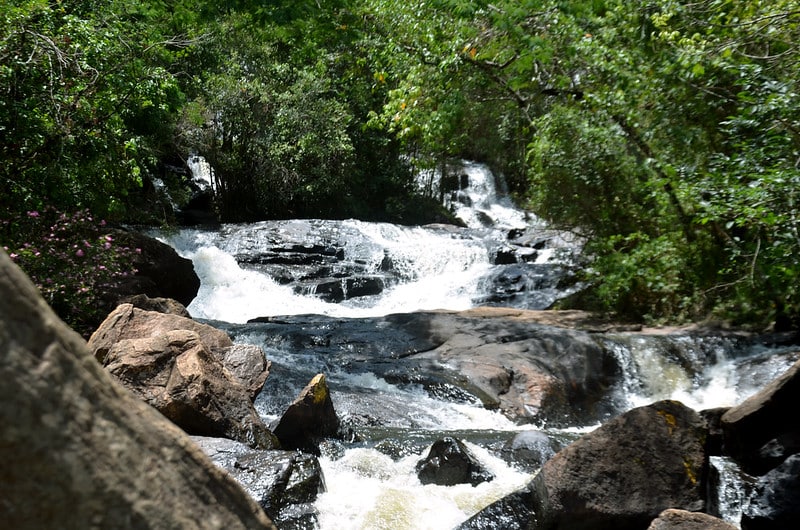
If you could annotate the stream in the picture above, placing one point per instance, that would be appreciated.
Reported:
(321, 279)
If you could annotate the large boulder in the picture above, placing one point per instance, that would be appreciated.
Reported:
(620, 476)
(284, 483)
(626, 472)
(775, 501)
(175, 373)
(244, 361)
(450, 462)
(129, 322)
(309, 419)
(763, 430)
(673, 519)
(79, 451)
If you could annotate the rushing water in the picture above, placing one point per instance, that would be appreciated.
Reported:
(357, 269)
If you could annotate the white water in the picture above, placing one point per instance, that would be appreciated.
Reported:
(479, 202)
(442, 266)
(445, 272)
(367, 489)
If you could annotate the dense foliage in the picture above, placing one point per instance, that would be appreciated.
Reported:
(666, 132)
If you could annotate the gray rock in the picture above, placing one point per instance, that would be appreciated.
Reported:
(79, 451)
(620, 476)
(763, 430)
(528, 450)
(775, 501)
(284, 483)
(626, 472)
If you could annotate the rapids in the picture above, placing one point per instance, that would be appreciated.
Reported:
(353, 269)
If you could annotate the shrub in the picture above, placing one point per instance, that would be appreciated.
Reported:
(73, 260)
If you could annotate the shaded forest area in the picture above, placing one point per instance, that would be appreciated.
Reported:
(667, 133)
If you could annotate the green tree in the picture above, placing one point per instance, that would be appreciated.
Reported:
(86, 103)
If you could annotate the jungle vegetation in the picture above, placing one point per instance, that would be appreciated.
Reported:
(665, 132)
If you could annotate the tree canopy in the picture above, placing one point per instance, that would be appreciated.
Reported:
(664, 132)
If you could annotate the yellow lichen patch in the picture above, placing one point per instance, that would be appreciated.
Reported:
(319, 389)
(670, 419)
(690, 472)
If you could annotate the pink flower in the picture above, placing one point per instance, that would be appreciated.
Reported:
(33, 213)
(79, 253)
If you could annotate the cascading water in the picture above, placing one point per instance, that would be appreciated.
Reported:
(353, 269)
(356, 269)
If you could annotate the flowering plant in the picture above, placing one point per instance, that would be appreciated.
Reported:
(72, 258)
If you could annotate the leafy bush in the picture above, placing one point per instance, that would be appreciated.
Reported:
(73, 260)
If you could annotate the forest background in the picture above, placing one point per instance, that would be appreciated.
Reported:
(666, 133)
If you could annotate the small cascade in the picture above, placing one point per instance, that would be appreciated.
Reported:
(472, 194)
(729, 489)
(202, 173)
(702, 371)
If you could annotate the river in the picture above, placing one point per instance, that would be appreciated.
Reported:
(357, 270)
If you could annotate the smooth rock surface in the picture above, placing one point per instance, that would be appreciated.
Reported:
(79, 451)
(284, 483)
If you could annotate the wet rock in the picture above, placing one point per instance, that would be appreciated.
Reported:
(339, 290)
(713, 419)
(626, 472)
(284, 483)
(502, 358)
(775, 501)
(80, 451)
(528, 450)
(309, 419)
(176, 374)
(762, 431)
(684, 520)
(450, 462)
(527, 285)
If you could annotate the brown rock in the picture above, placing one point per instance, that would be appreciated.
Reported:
(309, 419)
(158, 304)
(79, 451)
(128, 322)
(683, 520)
(175, 373)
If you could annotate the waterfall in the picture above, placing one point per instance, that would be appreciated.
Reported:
(356, 269)
(351, 269)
